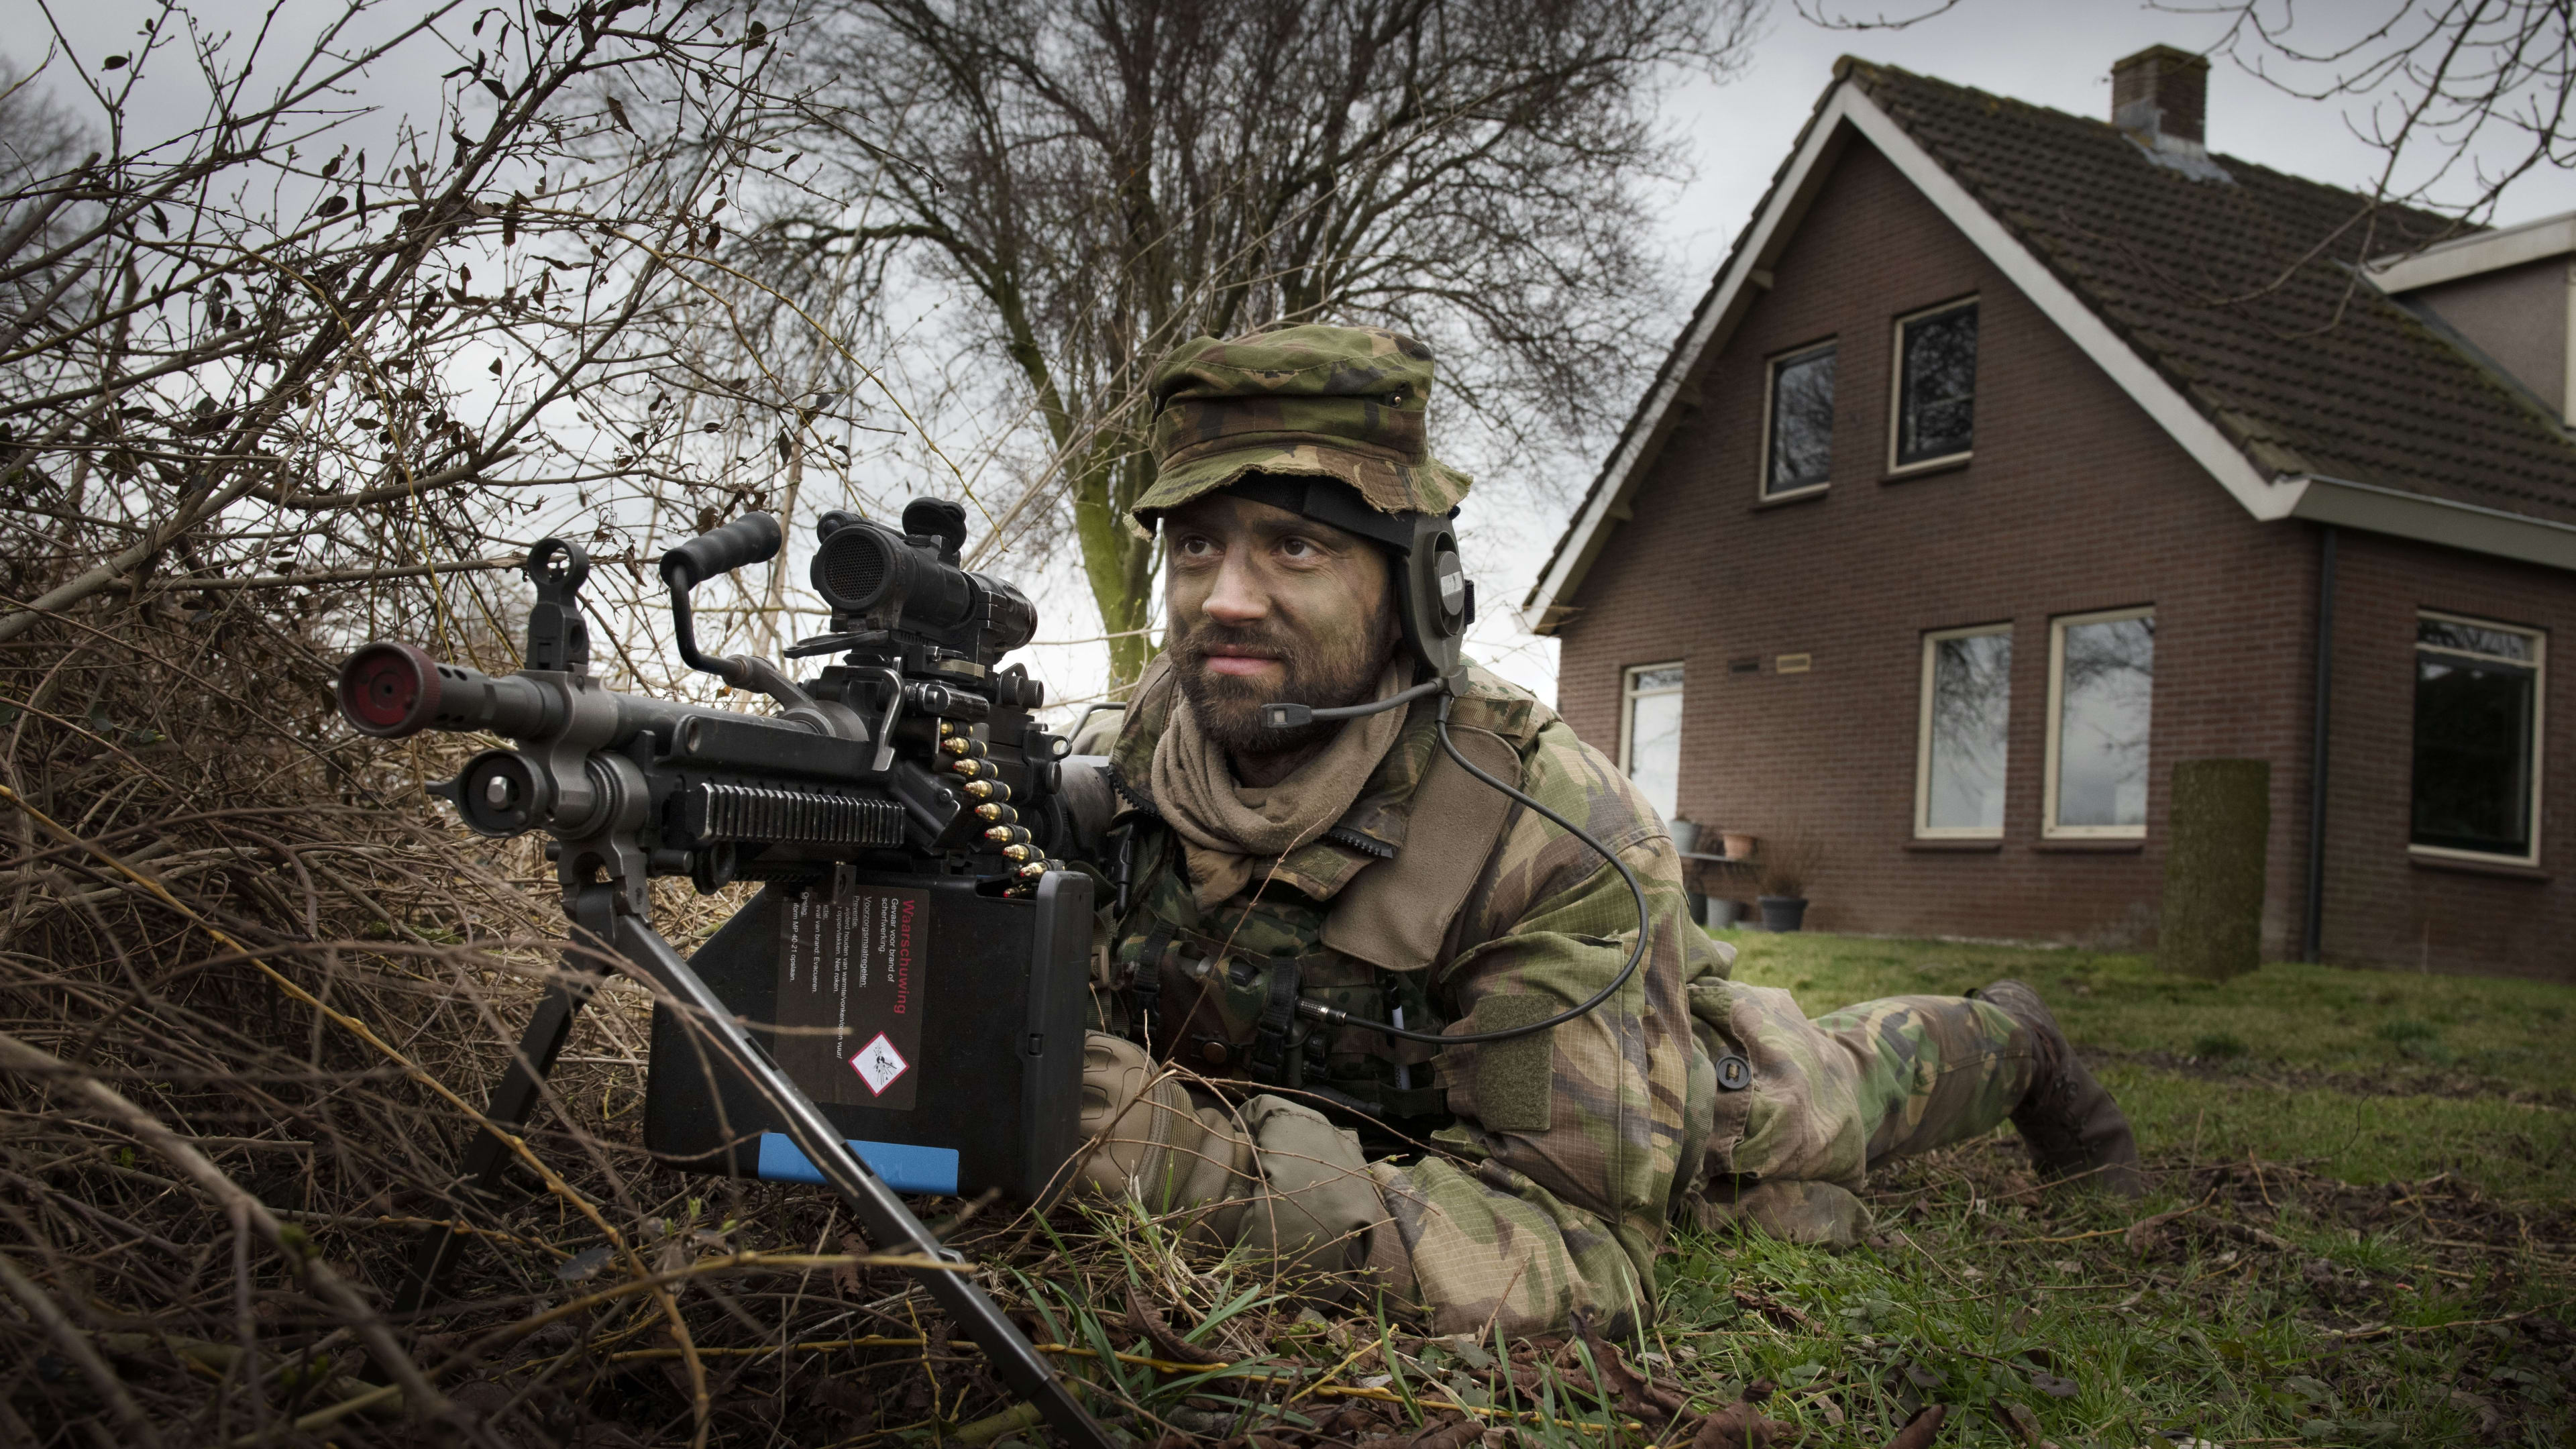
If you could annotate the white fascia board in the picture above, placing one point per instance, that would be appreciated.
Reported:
(2470, 256)
(2427, 519)
(2148, 388)
(1608, 502)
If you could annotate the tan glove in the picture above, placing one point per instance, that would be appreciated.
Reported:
(1147, 1136)
(1317, 1205)
(1293, 1190)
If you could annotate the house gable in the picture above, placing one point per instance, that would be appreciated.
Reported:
(2248, 455)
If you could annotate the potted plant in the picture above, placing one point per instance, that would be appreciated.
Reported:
(1686, 835)
(1738, 847)
(1786, 866)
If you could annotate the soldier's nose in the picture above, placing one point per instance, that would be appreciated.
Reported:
(1236, 599)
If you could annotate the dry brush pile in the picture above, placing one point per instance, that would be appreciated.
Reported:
(263, 395)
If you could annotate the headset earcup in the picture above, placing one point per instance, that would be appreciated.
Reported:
(1438, 603)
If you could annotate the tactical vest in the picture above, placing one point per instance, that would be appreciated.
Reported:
(1216, 991)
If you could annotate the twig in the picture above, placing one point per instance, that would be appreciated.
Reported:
(290, 1243)
(335, 576)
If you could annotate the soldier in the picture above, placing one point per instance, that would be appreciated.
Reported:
(1283, 897)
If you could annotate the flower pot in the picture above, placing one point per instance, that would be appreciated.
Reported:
(1685, 835)
(1783, 913)
(1719, 913)
(1740, 847)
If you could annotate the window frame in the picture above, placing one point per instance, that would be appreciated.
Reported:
(1923, 828)
(2539, 663)
(1770, 396)
(1896, 391)
(1628, 697)
(2049, 829)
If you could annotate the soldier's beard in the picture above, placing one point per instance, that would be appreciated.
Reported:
(1322, 674)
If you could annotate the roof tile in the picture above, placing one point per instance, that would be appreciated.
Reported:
(2244, 292)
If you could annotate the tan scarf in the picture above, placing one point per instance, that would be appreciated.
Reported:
(1228, 829)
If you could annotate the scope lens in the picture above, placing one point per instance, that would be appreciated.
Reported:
(852, 567)
(388, 690)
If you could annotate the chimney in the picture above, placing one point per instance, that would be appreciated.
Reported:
(2161, 91)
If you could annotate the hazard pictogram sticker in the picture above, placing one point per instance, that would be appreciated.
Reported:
(878, 1064)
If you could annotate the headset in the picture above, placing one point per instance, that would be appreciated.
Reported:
(1435, 601)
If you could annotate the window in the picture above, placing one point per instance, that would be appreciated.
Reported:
(1936, 386)
(1959, 750)
(2101, 682)
(2477, 739)
(1650, 734)
(1799, 432)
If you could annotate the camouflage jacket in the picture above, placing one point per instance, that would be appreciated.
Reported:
(1528, 1178)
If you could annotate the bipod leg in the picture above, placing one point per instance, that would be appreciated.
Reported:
(889, 1224)
(488, 1160)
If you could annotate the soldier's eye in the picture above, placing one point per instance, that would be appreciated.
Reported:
(1295, 547)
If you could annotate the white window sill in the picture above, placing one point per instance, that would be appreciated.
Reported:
(1794, 495)
(1928, 465)
(2470, 862)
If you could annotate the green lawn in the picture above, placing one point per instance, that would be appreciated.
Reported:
(2369, 1076)
(2372, 1245)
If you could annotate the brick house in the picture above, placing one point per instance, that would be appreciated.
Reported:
(2014, 456)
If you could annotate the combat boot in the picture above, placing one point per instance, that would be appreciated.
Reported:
(2073, 1127)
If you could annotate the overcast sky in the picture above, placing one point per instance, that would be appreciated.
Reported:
(2053, 52)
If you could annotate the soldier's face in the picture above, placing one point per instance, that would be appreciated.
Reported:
(1269, 606)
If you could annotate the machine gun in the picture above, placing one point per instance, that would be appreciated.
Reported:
(901, 810)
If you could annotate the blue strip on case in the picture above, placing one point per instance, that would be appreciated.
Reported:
(904, 1167)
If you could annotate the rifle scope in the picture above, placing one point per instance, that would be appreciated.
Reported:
(865, 569)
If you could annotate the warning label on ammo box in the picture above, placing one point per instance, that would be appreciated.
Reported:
(850, 979)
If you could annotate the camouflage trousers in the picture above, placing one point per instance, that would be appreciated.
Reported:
(1483, 1246)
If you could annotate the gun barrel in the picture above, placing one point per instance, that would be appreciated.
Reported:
(394, 691)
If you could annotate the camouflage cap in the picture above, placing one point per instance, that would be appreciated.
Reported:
(1349, 403)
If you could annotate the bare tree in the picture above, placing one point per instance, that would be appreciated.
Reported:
(301, 370)
(2459, 98)
(1106, 180)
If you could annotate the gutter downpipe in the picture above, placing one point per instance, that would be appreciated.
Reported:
(2312, 942)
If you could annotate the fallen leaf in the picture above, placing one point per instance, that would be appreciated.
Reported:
(1763, 1303)
(2145, 1233)
(1920, 1429)
(2490, 1423)
(2021, 1423)
(1446, 1434)
(845, 1276)
(1145, 1320)
(1468, 1350)
(1740, 1425)
(1637, 1395)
